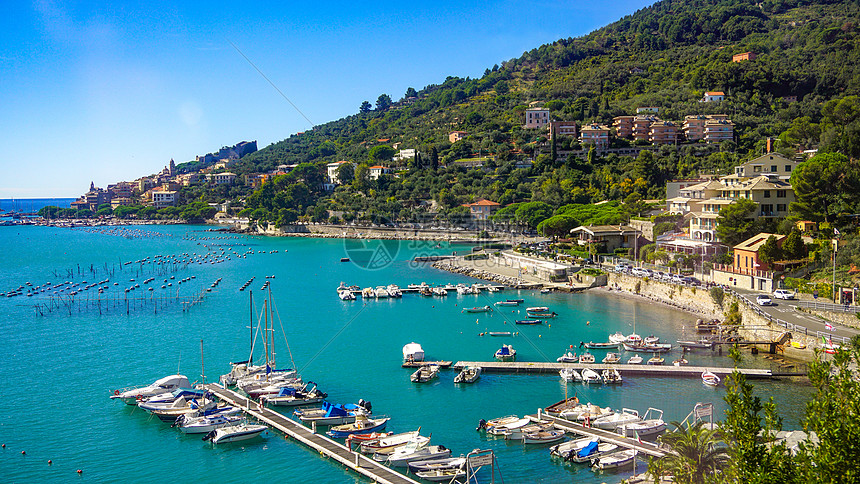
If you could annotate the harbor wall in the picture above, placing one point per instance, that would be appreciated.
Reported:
(360, 232)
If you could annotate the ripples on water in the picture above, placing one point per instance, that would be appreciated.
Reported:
(59, 369)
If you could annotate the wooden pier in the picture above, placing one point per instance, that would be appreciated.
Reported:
(646, 448)
(325, 446)
(624, 369)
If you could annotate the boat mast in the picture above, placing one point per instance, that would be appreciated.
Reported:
(202, 367)
(265, 338)
(272, 329)
(251, 327)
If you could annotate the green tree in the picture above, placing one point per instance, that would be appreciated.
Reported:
(793, 246)
(557, 226)
(361, 182)
(696, 454)
(735, 223)
(345, 173)
(434, 158)
(770, 251)
(381, 153)
(383, 102)
(411, 92)
(825, 186)
(365, 107)
(533, 213)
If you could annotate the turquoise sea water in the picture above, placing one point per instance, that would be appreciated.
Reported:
(33, 204)
(61, 361)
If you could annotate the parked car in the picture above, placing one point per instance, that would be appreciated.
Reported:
(763, 300)
(783, 294)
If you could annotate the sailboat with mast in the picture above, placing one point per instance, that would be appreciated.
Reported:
(252, 378)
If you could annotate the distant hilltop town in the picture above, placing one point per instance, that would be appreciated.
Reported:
(161, 189)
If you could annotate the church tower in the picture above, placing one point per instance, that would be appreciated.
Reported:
(172, 167)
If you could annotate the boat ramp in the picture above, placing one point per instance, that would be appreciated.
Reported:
(624, 369)
(325, 446)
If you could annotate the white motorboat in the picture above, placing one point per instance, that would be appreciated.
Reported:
(520, 433)
(537, 309)
(204, 424)
(615, 460)
(406, 454)
(633, 339)
(443, 475)
(469, 374)
(506, 353)
(163, 385)
(617, 338)
(611, 376)
(590, 376)
(381, 292)
(292, 397)
(569, 374)
(593, 450)
(543, 437)
(586, 358)
(680, 361)
(616, 419)
(434, 464)
(652, 348)
(425, 373)
(565, 449)
(651, 424)
(710, 378)
(394, 290)
(568, 357)
(592, 412)
(656, 360)
(177, 398)
(362, 425)
(413, 352)
(368, 292)
(635, 360)
(504, 429)
(506, 303)
(651, 340)
(701, 343)
(489, 424)
(346, 295)
(390, 442)
(235, 433)
(601, 346)
(333, 414)
(439, 291)
(611, 358)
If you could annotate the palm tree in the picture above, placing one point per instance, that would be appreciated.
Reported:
(695, 454)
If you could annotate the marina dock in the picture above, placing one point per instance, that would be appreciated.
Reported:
(624, 369)
(646, 448)
(325, 446)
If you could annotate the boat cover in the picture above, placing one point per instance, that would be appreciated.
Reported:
(503, 351)
(588, 449)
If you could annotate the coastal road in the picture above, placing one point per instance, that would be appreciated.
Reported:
(787, 310)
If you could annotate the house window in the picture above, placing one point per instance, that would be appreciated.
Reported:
(767, 209)
(773, 168)
(788, 168)
(780, 207)
(739, 260)
(756, 169)
(767, 194)
(780, 194)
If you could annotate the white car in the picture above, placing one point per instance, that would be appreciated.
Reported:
(763, 300)
(783, 294)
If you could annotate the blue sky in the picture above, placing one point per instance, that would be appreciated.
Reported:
(106, 92)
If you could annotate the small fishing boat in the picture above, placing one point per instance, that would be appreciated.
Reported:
(413, 352)
(520, 432)
(204, 424)
(551, 314)
(344, 259)
(617, 338)
(611, 377)
(481, 309)
(615, 460)
(556, 408)
(429, 465)
(635, 360)
(518, 301)
(235, 433)
(425, 373)
(709, 378)
(362, 424)
(611, 358)
(505, 429)
(651, 424)
(590, 376)
(798, 345)
(442, 475)
(529, 321)
(346, 295)
(593, 450)
(569, 374)
(506, 303)
(469, 374)
(586, 358)
(333, 414)
(499, 333)
(616, 419)
(572, 447)
(543, 437)
(293, 397)
(163, 385)
(537, 309)
(390, 442)
(655, 348)
(680, 361)
(568, 357)
(506, 353)
(592, 345)
(489, 424)
(633, 338)
(656, 360)
(408, 453)
(585, 411)
(702, 343)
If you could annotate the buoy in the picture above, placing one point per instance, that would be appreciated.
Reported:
(539, 336)
(23, 452)
(588, 323)
(79, 471)
(50, 461)
(4, 446)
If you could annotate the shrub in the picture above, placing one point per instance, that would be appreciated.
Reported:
(717, 295)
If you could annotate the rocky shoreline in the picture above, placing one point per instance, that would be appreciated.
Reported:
(450, 266)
